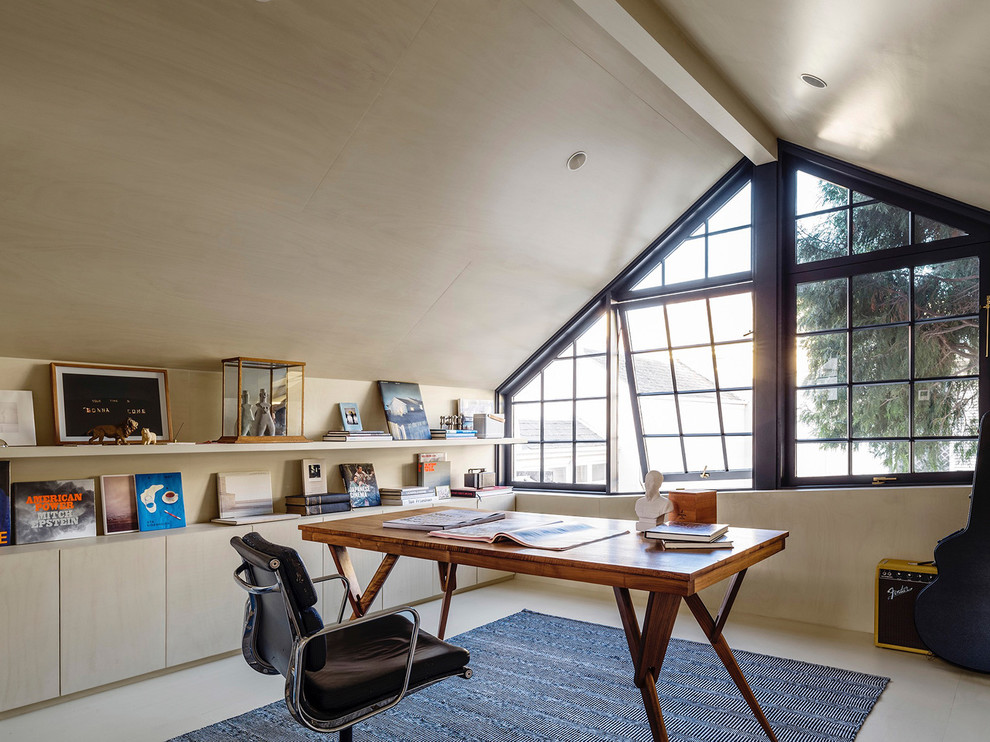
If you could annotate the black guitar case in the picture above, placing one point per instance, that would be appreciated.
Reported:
(952, 613)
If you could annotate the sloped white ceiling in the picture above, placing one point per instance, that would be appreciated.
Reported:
(375, 188)
(908, 82)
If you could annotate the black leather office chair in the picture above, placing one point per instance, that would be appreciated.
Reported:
(336, 675)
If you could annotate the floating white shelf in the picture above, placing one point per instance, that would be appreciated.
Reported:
(182, 449)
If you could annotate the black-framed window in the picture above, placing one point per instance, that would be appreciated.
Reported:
(562, 412)
(592, 404)
(866, 305)
(883, 320)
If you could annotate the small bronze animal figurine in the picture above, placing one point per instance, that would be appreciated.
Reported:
(118, 432)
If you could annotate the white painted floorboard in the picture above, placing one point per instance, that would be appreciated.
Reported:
(926, 701)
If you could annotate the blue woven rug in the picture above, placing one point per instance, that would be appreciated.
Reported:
(539, 677)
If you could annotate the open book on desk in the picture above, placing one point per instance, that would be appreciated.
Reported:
(556, 534)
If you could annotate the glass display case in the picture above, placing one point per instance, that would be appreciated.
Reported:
(262, 401)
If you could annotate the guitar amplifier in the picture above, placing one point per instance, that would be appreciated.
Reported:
(898, 585)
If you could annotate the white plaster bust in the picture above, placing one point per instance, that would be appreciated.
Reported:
(652, 508)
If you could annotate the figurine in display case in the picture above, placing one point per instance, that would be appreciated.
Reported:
(277, 413)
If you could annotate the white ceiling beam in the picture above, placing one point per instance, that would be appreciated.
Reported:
(650, 35)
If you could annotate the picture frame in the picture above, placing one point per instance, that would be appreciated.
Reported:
(314, 477)
(244, 494)
(119, 501)
(17, 418)
(92, 403)
(350, 416)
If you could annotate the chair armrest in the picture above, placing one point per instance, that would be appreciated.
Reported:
(260, 590)
(343, 598)
(294, 676)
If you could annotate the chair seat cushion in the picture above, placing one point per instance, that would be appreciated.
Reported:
(366, 662)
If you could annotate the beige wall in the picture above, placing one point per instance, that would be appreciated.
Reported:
(195, 404)
(826, 574)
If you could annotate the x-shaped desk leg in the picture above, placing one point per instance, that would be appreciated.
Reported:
(361, 602)
(713, 630)
(649, 646)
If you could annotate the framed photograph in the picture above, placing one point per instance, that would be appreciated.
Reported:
(404, 410)
(109, 404)
(350, 416)
(17, 418)
(468, 408)
(314, 477)
(120, 513)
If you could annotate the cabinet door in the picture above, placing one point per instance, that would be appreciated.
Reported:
(411, 580)
(205, 605)
(28, 627)
(112, 610)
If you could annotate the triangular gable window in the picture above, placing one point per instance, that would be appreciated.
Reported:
(832, 221)
(721, 245)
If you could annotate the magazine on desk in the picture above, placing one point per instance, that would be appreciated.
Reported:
(443, 519)
(554, 534)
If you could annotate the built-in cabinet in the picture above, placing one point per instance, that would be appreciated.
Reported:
(80, 614)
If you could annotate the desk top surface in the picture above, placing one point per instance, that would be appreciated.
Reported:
(629, 560)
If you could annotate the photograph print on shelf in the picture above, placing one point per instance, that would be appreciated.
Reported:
(17, 418)
(404, 410)
(54, 510)
(314, 476)
(159, 498)
(350, 416)
(361, 485)
(468, 408)
(120, 513)
(5, 539)
(242, 494)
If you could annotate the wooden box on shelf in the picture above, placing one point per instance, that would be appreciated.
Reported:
(692, 506)
(262, 401)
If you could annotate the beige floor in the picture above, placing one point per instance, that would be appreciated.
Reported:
(926, 700)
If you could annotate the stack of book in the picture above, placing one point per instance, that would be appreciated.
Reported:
(691, 535)
(357, 435)
(441, 434)
(407, 495)
(480, 492)
(328, 502)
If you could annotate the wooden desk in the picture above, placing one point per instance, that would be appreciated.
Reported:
(623, 563)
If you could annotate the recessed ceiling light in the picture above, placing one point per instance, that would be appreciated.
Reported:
(813, 81)
(575, 161)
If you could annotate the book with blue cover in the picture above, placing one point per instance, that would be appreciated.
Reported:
(159, 498)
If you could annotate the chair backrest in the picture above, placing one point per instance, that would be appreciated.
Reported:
(274, 620)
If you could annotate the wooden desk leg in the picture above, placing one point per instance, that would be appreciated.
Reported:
(713, 630)
(448, 581)
(360, 602)
(648, 648)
